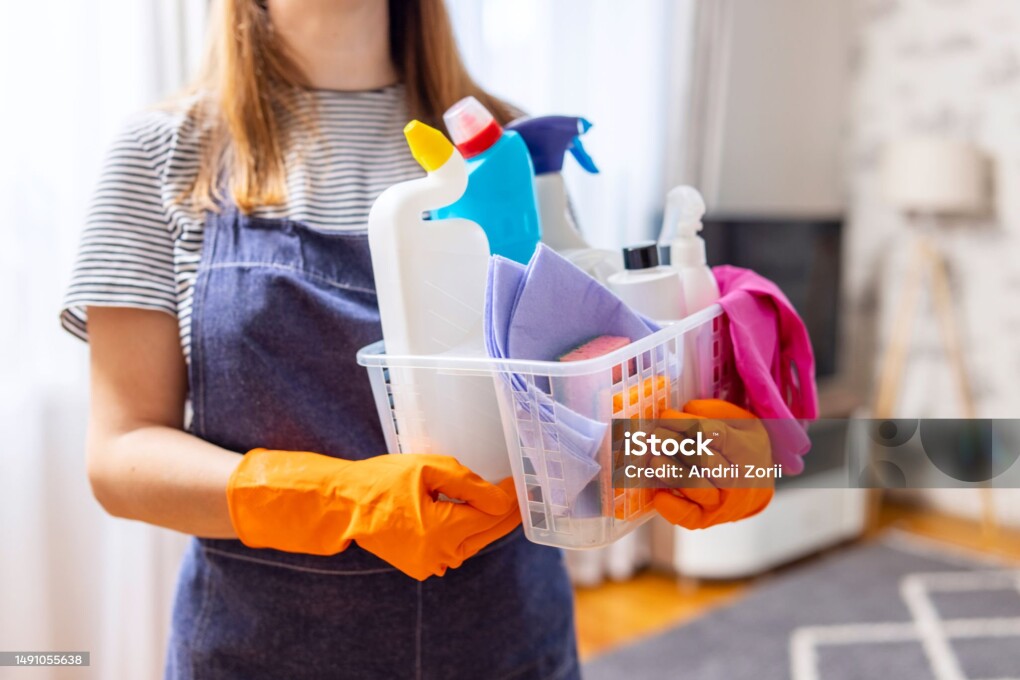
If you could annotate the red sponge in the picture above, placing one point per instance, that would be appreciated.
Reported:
(596, 347)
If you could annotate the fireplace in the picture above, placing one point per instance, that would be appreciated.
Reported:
(801, 255)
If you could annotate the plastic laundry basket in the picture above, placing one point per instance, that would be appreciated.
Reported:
(548, 410)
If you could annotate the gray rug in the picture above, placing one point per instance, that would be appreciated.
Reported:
(900, 608)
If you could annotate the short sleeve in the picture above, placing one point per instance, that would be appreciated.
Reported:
(126, 254)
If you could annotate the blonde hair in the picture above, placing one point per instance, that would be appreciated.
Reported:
(249, 86)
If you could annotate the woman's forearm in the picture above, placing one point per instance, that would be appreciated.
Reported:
(141, 463)
(163, 476)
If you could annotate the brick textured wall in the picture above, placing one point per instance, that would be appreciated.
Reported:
(944, 67)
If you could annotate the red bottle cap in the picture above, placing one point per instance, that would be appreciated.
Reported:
(472, 127)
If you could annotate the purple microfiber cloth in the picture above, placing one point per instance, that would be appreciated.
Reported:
(504, 283)
(553, 425)
(558, 307)
(539, 312)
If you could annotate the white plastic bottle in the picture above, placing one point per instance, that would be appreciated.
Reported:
(430, 278)
(647, 287)
(429, 274)
(681, 224)
(680, 227)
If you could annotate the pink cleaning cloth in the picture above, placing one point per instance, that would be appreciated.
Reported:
(773, 356)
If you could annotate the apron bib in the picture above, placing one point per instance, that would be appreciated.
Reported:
(279, 311)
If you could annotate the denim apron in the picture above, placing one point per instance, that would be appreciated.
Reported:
(279, 311)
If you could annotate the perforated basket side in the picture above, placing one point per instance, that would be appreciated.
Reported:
(533, 397)
(650, 382)
(399, 404)
(723, 383)
(642, 384)
(541, 457)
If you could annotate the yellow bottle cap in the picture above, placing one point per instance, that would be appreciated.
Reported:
(429, 146)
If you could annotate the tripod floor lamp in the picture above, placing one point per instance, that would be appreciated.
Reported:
(932, 180)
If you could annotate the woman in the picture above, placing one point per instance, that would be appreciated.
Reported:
(224, 286)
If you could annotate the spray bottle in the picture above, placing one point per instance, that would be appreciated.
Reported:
(686, 250)
(549, 138)
(685, 253)
(500, 195)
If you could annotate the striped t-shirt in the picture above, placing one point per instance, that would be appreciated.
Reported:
(141, 246)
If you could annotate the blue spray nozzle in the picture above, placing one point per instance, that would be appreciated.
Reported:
(549, 138)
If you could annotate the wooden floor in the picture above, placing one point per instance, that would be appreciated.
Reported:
(616, 613)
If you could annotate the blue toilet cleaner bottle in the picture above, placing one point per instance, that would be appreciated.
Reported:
(500, 196)
(549, 138)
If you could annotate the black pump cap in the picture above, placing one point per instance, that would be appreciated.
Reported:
(641, 256)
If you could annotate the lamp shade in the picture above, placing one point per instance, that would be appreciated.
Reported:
(935, 175)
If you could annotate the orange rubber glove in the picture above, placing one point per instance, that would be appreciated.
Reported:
(309, 503)
(708, 505)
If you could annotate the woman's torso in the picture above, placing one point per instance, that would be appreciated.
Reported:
(242, 612)
(142, 241)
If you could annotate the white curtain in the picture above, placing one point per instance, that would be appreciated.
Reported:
(624, 66)
(71, 578)
(705, 110)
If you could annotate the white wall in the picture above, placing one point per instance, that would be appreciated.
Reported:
(815, 90)
(782, 133)
(950, 68)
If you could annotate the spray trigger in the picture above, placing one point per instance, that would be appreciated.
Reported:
(579, 153)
